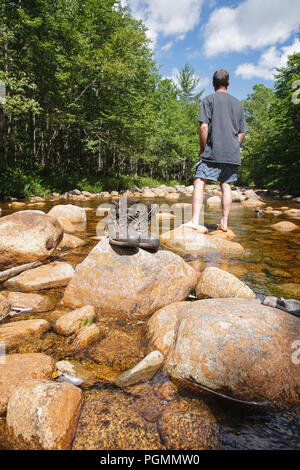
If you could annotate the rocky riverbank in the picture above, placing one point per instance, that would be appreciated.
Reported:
(101, 347)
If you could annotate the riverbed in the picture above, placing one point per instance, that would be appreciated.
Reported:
(269, 266)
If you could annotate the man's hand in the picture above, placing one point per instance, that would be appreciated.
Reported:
(203, 133)
(241, 137)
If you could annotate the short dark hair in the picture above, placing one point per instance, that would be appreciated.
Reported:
(221, 79)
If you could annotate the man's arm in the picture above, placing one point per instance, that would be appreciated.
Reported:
(203, 133)
(241, 137)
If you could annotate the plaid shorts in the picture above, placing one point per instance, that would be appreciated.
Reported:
(223, 172)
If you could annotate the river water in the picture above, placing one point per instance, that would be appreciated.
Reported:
(270, 266)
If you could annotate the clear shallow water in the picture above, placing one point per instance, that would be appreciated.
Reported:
(270, 266)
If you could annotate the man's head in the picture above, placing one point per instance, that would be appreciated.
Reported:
(221, 79)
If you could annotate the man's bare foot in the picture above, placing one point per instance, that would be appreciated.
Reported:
(223, 225)
(191, 225)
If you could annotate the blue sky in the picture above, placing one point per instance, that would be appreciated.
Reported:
(249, 38)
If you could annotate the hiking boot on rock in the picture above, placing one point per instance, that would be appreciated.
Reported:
(120, 233)
(140, 216)
(128, 224)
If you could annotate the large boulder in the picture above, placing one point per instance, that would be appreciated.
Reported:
(43, 415)
(48, 276)
(185, 240)
(20, 367)
(74, 214)
(27, 236)
(129, 283)
(13, 335)
(234, 347)
(216, 283)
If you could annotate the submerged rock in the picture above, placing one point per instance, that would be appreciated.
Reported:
(216, 283)
(48, 276)
(129, 283)
(110, 421)
(69, 241)
(27, 236)
(294, 213)
(188, 426)
(234, 347)
(43, 415)
(18, 368)
(13, 335)
(85, 337)
(69, 323)
(76, 374)
(284, 226)
(142, 371)
(288, 290)
(35, 303)
(117, 350)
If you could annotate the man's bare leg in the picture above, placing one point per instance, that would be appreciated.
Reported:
(226, 204)
(198, 195)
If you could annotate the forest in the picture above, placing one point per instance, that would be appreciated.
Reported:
(83, 104)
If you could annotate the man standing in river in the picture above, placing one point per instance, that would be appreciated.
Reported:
(222, 131)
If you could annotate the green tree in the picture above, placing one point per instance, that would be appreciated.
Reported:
(187, 81)
(85, 101)
(272, 146)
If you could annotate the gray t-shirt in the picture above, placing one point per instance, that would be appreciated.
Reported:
(225, 117)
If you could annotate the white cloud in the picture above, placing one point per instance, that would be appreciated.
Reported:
(253, 24)
(166, 47)
(268, 61)
(167, 18)
(193, 54)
